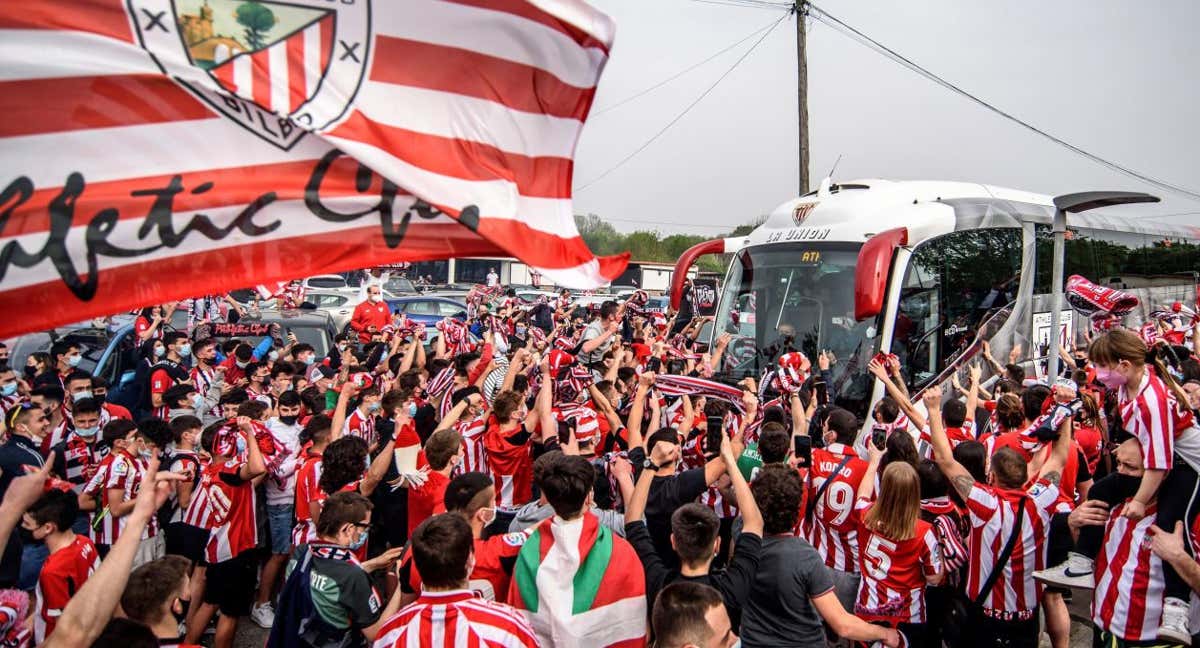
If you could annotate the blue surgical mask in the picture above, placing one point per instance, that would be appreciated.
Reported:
(197, 402)
(158, 353)
(87, 433)
(362, 540)
(412, 410)
(241, 445)
(78, 396)
(9, 389)
(308, 360)
(185, 350)
(373, 406)
(74, 360)
(147, 454)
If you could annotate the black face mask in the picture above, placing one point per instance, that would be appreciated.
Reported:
(181, 617)
(1081, 362)
(27, 538)
(288, 420)
(30, 371)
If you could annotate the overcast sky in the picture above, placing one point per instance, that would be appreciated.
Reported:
(1116, 78)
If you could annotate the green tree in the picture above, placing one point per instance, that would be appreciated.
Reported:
(258, 20)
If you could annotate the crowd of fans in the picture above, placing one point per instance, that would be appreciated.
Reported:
(551, 475)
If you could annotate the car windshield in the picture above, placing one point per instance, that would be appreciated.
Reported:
(781, 298)
(397, 285)
(92, 343)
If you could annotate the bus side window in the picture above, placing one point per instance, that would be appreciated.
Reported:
(951, 285)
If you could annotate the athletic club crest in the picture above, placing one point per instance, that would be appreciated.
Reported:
(802, 211)
(278, 69)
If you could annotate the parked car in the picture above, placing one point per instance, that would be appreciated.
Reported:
(428, 310)
(315, 327)
(400, 286)
(331, 281)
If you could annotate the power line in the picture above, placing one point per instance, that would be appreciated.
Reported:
(681, 72)
(750, 4)
(671, 123)
(847, 30)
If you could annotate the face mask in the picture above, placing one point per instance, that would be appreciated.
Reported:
(308, 360)
(412, 410)
(28, 538)
(88, 432)
(521, 330)
(9, 389)
(358, 543)
(185, 350)
(288, 420)
(78, 396)
(30, 371)
(158, 353)
(342, 346)
(1081, 362)
(240, 364)
(376, 298)
(146, 455)
(373, 406)
(197, 402)
(241, 445)
(273, 356)
(181, 617)
(383, 356)
(1110, 378)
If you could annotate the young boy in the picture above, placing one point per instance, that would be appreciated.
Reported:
(111, 481)
(229, 483)
(72, 557)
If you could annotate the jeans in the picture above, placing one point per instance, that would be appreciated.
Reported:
(32, 558)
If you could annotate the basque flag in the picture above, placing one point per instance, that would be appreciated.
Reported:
(154, 150)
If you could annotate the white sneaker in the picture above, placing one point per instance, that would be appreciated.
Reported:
(263, 615)
(1174, 626)
(1075, 572)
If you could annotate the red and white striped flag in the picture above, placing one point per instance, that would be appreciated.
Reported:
(158, 149)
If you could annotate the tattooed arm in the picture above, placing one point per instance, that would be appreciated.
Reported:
(1052, 469)
(962, 480)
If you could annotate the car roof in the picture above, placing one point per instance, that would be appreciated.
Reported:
(406, 299)
(294, 317)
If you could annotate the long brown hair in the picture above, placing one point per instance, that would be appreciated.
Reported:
(895, 513)
(1122, 344)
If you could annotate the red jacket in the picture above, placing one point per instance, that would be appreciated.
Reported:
(368, 314)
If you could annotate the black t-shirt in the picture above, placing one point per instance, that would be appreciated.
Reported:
(666, 495)
(779, 611)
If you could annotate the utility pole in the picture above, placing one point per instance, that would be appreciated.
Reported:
(802, 90)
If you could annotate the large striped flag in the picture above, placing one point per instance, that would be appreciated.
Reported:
(153, 150)
(580, 585)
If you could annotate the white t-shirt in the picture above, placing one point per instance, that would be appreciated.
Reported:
(492, 279)
(281, 483)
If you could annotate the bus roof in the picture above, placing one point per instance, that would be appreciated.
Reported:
(855, 210)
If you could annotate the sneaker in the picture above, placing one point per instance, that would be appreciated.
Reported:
(263, 615)
(1174, 626)
(1075, 572)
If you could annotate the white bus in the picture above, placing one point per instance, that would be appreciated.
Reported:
(927, 271)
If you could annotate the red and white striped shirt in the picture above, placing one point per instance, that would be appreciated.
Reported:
(833, 531)
(893, 572)
(993, 512)
(1154, 416)
(116, 471)
(362, 426)
(455, 618)
(1129, 579)
(474, 453)
(233, 517)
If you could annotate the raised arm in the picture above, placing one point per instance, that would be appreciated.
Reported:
(1052, 469)
(900, 397)
(752, 521)
(638, 408)
(959, 477)
(866, 488)
(338, 420)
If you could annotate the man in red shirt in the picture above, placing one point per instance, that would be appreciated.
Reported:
(444, 451)
(473, 496)
(370, 316)
(232, 573)
(72, 559)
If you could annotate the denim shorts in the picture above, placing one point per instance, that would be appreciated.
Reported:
(280, 520)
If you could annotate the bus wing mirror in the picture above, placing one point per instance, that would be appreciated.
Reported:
(715, 246)
(871, 272)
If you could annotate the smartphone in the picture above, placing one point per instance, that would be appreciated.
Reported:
(564, 431)
(654, 365)
(802, 448)
(822, 390)
(714, 428)
(879, 437)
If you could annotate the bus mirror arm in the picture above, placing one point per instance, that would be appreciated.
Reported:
(684, 264)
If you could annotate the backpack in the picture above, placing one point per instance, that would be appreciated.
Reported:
(297, 623)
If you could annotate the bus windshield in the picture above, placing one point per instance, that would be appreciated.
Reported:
(800, 296)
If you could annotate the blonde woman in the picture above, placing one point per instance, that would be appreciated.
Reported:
(899, 553)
